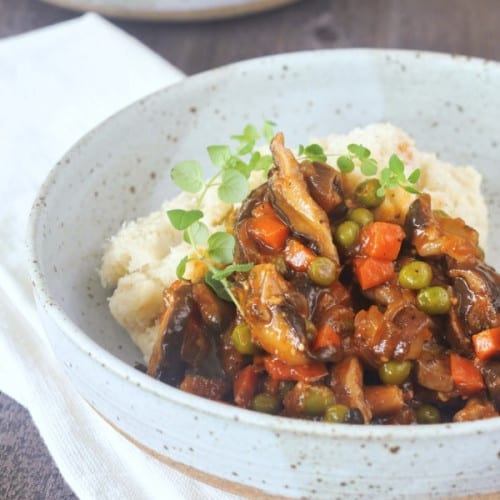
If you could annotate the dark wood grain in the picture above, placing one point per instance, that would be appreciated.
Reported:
(470, 27)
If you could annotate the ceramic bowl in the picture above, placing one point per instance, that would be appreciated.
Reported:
(449, 104)
(172, 10)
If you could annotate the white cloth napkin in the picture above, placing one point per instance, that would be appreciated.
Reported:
(57, 83)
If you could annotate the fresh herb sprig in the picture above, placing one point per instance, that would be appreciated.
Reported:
(391, 176)
(232, 171)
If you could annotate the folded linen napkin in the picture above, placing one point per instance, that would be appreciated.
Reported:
(56, 84)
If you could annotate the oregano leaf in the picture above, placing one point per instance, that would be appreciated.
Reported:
(414, 176)
(368, 167)
(188, 176)
(234, 186)
(180, 270)
(219, 155)
(217, 286)
(197, 234)
(359, 151)
(221, 247)
(232, 268)
(396, 165)
(182, 219)
(345, 164)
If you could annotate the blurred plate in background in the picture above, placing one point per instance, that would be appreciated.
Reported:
(172, 10)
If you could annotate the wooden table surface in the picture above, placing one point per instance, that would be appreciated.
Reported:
(470, 27)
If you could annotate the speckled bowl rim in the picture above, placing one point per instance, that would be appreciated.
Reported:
(130, 375)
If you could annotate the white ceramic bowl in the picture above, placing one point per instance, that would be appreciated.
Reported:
(172, 10)
(119, 171)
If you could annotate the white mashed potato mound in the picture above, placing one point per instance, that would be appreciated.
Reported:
(140, 261)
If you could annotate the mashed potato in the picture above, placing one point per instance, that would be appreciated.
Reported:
(141, 259)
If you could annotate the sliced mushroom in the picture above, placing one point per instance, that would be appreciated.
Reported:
(325, 185)
(271, 312)
(491, 374)
(292, 200)
(190, 329)
(166, 363)
(347, 384)
(477, 289)
(435, 235)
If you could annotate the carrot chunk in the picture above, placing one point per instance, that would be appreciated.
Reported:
(245, 386)
(264, 208)
(269, 230)
(487, 343)
(381, 240)
(326, 336)
(298, 256)
(465, 375)
(372, 272)
(279, 370)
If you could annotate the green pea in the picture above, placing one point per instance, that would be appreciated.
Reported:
(316, 400)
(347, 234)
(336, 414)
(434, 300)
(366, 193)
(241, 337)
(265, 403)
(428, 414)
(361, 216)
(394, 372)
(322, 271)
(415, 275)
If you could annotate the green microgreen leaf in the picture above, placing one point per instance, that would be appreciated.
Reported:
(411, 189)
(268, 130)
(219, 155)
(181, 267)
(232, 268)
(188, 176)
(301, 150)
(414, 176)
(345, 164)
(217, 286)
(247, 139)
(359, 151)
(182, 219)
(368, 167)
(396, 165)
(221, 247)
(236, 163)
(314, 152)
(197, 234)
(233, 187)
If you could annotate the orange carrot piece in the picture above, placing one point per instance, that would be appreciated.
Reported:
(466, 376)
(269, 230)
(487, 343)
(245, 386)
(264, 208)
(326, 336)
(279, 370)
(381, 240)
(298, 256)
(372, 272)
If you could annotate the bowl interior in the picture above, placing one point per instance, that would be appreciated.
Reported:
(120, 171)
